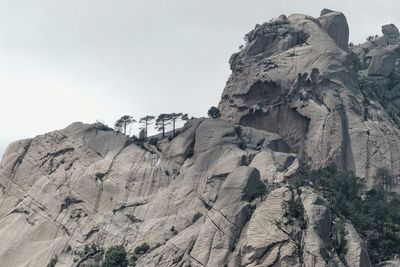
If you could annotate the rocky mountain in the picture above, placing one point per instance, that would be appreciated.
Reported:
(224, 192)
(333, 104)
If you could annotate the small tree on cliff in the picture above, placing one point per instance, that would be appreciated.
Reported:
(146, 121)
(383, 178)
(214, 112)
(162, 121)
(174, 117)
(123, 122)
(115, 256)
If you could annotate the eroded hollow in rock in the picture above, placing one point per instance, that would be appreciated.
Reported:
(264, 93)
(283, 120)
(268, 111)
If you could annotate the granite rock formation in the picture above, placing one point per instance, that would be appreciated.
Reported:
(333, 104)
(218, 194)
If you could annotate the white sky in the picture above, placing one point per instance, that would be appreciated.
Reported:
(80, 60)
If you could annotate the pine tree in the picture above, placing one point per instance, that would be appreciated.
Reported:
(146, 121)
(214, 112)
(161, 123)
(123, 122)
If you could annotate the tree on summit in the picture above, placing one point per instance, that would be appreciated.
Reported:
(123, 122)
(161, 123)
(174, 117)
(165, 119)
(214, 112)
(146, 121)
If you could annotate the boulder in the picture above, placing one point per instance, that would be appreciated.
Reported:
(326, 11)
(390, 30)
(383, 63)
(335, 24)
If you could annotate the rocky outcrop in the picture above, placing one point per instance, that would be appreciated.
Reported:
(224, 192)
(382, 62)
(216, 195)
(390, 29)
(309, 92)
(377, 64)
(356, 254)
(335, 24)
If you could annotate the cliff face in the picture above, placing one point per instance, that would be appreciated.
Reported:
(297, 77)
(201, 200)
(218, 194)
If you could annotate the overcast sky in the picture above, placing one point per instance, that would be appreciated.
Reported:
(81, 60)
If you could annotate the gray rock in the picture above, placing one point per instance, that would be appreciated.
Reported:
(309, 94)
(390, 29)
(282, 17)
(335, 24)
(356, 254)
(267, 229)
(382, 63)
(86, 184)
(217, 194)
(393, 263)
(326, 11)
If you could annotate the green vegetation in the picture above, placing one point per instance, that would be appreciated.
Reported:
(173, 230)
(86, 249)
(139, 251)
(372, 37)
(374, 213)
(142, 249)
(115, 257)
(163, 120)
(338, 234)
(196, 217)
(146, 121)
(53, 261)
(174, 117)
(357, 65)
(383, 93)
(153, 141)
(214, 112)
(121, 124)
(259, 190)
(161, 123)
(189, 152)
(295, 210)
(133, 259)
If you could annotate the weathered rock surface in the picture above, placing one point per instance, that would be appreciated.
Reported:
(356, 255)
(210, 197)
(382, 63)
(390, 29)
(218, 194)
(335, 24)
(309, 92)
(393, 263)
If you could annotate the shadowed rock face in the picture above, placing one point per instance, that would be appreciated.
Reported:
(296, 76)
